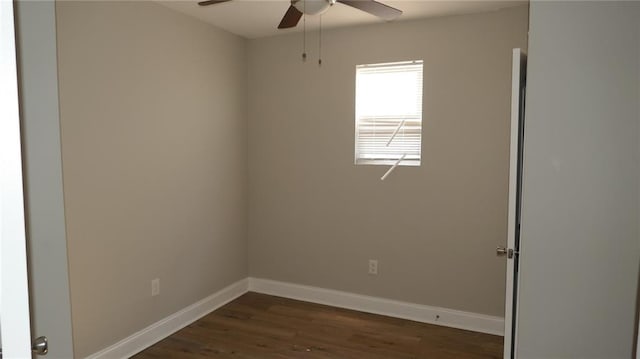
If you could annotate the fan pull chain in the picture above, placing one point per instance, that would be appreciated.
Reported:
(304, 31)
(320, 44)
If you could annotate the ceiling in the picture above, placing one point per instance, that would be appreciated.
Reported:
(260, 18)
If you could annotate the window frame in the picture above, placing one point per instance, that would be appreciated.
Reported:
(403, 121)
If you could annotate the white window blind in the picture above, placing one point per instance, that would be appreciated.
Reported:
(389, 113)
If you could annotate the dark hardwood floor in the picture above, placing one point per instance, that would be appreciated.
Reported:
(259, 326)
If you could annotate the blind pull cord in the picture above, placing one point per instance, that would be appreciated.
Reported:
(395, 132)
(320, 44)
(393, 167)
(304, 31)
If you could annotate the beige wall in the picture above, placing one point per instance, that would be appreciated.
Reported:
(153, 115)
(315, 218)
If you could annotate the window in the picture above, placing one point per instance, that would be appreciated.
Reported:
(389, 114)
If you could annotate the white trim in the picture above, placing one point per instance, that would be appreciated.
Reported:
(514, 156)
(154, 333)
(392, 308)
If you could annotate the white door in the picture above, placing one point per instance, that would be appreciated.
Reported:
(38, 135)
(14, 289)
(515, 194)
(42, 171)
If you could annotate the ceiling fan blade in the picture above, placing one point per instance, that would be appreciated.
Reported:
(211, 2)
(373, 7)
(290, 18)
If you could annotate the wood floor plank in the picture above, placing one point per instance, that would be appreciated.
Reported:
(258, 326)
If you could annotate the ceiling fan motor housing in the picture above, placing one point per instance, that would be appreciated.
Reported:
(312, 7)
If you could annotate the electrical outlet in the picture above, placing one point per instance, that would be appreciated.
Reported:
(373, 266)
(155, 287)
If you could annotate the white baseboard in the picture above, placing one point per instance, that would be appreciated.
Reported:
(154, 333)
(392, 308)
(420, 313)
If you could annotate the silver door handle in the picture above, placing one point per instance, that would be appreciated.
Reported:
(40, 346)
(501, 251)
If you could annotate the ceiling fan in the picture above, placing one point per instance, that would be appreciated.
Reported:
(313, 7)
